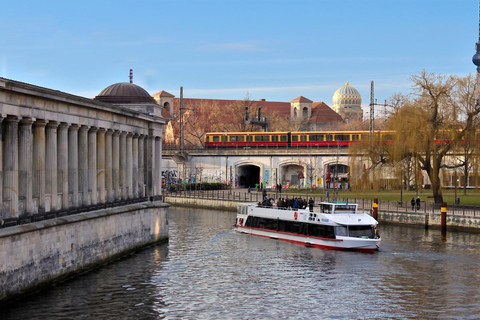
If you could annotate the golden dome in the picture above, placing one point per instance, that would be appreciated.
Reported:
(347, 96)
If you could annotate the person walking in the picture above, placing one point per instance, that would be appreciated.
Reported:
(418, 203)
(413, 203)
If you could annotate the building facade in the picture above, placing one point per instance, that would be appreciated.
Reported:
(60, 151)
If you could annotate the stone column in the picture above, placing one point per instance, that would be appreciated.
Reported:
(10, 166)
(145, 163)
(123, 165)
(135, 165)
(83, 165)
(149, 162)
(116, 165)
(141, 166)
(1, 167)
(158, 168)
(109, 165)
(101, 164)
(39, 163)
(25, 168)
(51, 164)
(62, 162)
(73, 163)
(92, 165)
(129, 166)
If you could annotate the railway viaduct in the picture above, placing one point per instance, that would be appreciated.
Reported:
(244, 167)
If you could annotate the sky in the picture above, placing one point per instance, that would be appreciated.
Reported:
(227, 49)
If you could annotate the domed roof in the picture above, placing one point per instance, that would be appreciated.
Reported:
(125, 93)
(347, 95)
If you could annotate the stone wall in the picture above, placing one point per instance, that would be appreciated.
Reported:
(419, 219)
(37, 254)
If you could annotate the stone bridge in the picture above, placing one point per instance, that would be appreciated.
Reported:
(270, 166)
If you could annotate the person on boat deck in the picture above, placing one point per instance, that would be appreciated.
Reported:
(289, 203)
(310, 204)
(266, 203)
(295, 203)
(302, 203)
(413, 203)
(279, 203)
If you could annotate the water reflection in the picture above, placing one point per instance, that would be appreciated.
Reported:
(207, 271)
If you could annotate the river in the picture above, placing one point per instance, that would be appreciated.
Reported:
(207, 271)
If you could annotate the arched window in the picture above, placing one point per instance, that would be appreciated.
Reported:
(295, 112)
(305, 112)
(166, 105)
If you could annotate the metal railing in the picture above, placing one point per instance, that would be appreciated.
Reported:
(11, 222)
(363, 204)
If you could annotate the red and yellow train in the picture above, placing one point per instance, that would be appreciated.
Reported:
(305, 139)
(290, 139)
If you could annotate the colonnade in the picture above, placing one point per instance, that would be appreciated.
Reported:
(47, 165)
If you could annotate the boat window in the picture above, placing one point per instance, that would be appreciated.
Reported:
(341, 231)
(317, 230)
(345, 208)
(361, 231)
(297, 227)
(326, 208)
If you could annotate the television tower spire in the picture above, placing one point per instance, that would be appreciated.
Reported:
(476, 56)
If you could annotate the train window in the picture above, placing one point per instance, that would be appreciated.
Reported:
(274, 138)
(224, 138)
(316, 137)
(329, 137)
(365, 137)
(342, 137)
(237, 138)
(283, 138)
(262, 138)
(249, 138)
(442, 136)
(216, 138)
(388, 137)
(207, 139)
(299, 137)
(355, 137)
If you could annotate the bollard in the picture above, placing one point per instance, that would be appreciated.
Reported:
(375, 209)
(443, 218)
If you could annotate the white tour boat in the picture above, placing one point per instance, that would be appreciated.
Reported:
(337, 225)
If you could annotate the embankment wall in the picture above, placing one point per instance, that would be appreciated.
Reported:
(37, 254)
(419, 219)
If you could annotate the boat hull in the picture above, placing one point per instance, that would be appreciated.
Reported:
(340, 243)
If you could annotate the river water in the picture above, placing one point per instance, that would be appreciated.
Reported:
(207, 271)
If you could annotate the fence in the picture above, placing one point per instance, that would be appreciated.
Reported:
(363, 204)
(10, 222)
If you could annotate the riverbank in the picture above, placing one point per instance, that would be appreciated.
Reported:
(424, 219)
(38, 254)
